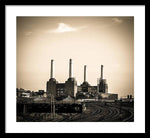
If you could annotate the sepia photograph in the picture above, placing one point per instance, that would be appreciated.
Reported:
(75, 68)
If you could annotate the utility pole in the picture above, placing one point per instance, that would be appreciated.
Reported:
(52, 106)
(120, 104)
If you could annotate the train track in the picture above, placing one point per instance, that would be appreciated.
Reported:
(127, 113)
(101, 113)
(95, 112)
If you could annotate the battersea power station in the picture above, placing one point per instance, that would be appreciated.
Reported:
(84, 91)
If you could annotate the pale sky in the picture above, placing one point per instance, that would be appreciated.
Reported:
(90, 41)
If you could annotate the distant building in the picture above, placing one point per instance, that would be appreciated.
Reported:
(85, 86)
(85, 90)
(61, 89)
(71, 87)
(103, 86)
(23, 93)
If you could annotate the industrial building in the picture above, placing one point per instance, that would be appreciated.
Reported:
(85, 86)
(70, 88)
(103, 86)
(61, 89)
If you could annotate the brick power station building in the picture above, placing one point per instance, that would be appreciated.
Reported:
(62, 89)
(85, 90)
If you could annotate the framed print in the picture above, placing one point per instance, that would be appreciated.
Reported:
(75, 69)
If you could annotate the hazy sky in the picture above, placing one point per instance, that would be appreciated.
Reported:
(90, 41)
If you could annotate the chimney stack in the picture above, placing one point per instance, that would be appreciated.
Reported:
(70, 68)
(84, 73)
(52, 69)
(101, 71)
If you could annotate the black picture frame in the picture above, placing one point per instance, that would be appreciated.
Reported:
(3, 3)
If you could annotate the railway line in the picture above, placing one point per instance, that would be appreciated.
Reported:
(95, 112)
(100, 112)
